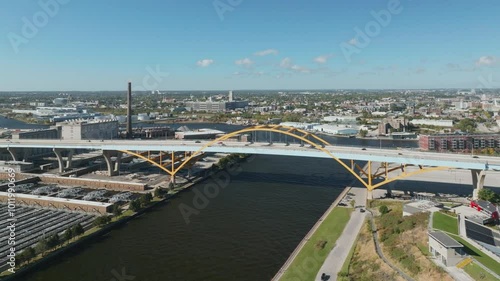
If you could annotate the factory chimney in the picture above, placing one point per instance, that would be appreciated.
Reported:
(129, 111)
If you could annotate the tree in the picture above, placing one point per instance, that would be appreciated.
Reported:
(30, 253)
(135, 205)
(77, 230)
(68, 234)
(383, 209)
(53, 241)
(363, 133)
(489, 195)
(102, 221)
(41, 246)
(159, 192)
(117, 210)
(145, 199)
(467, 125)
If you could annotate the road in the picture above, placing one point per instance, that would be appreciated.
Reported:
(336, 258)
(341, 152)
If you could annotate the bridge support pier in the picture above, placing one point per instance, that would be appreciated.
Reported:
(60, 160)
(13, 153)
(113, 167)
(478, 177)
(69, 162)
(369, 194)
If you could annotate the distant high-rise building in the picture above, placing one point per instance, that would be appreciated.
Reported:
(230, 96)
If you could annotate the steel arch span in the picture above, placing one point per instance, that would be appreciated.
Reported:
(307, 137)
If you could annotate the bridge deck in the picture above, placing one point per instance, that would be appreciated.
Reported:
(460, 161)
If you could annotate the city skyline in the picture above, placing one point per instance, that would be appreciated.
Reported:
(239, 45)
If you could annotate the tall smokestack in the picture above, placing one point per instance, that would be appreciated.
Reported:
(129, 111)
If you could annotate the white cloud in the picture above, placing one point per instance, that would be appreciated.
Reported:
(205, 62)
(244, 62)
(322, 59)
(487, 60)
(286, 63)
(266, 52)
(353, 41)
(299, 68)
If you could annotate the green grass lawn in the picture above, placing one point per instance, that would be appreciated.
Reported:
(307, 263)
(444, 222)
(477, 273)
(478, 255)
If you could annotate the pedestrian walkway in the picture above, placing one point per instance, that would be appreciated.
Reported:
(336, 258)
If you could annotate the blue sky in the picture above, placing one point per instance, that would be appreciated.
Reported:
(248, 44)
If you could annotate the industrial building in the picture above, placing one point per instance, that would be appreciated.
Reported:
(52, 133)
(299, 125)
(336, 130)
(446, 249)
(431, 122)
(89, 130)
(199, 134)
(459, 142)
(341, 119)
(215, 106)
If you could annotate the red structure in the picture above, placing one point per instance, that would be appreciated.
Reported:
(487, 208)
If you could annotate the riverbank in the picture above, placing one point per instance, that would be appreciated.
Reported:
(307, 253)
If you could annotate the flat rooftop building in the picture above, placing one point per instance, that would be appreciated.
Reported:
(89, 130)
(446, 249)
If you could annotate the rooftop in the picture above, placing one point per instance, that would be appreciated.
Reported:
(57, 199)
(445, 240)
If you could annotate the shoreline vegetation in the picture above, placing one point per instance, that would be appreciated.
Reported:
(53, 247)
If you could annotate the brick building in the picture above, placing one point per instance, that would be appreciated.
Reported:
(459, 142)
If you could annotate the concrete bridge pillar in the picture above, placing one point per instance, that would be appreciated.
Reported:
(60, 161)
(13, 153)
(478, 177)
(118, 163)
(369, 194)
(112, 167)
(69, 161)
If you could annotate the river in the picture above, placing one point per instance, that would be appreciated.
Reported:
(245, 233)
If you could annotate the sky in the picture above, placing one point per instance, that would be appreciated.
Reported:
(94, 45)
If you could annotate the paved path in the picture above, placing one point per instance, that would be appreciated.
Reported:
(336, 258)
(297, 250)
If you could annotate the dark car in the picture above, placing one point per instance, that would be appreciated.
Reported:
(362, 210)
(363, 148)
(197, 142)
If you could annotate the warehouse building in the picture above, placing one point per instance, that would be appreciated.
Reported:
(89, 130)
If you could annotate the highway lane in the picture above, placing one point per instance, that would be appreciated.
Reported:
(341, 152)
